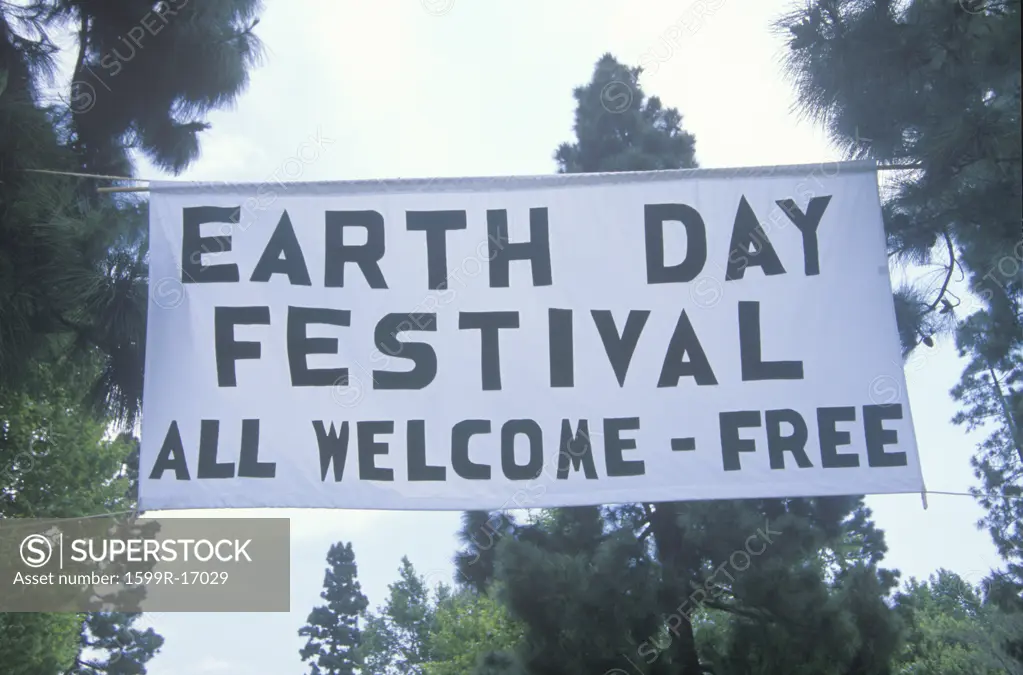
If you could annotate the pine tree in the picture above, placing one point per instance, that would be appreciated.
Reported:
(935, 86)
(123, 649)
(795, 582)
(480, 532)
(397, 636)
(953, 631)
(34, 643)
(72, 261)
(467, 625)
(58, 463)
(333, 629)
(619, 129)
(992, 398)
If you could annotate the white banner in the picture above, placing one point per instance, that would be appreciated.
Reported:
(523, 342)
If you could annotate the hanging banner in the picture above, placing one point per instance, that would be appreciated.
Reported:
(501, 343)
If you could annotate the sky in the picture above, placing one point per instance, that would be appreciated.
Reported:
(456, 88)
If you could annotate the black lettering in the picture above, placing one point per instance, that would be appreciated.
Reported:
(778, 445)
(807, 224)
(531, 430)
(300, 346)
(831, 437)
(369, 448)
(209, 430)
(283, 242)
(614, 444)
(489, 323)
(436, 224)
(249, 465)
(333, 447)
(422, 355)
(747, 232)
(874, 417)
(620, 348)
(576, 450)
(561, 352)
(194, 245)
(171, 456)
(418, 469)
(229, 350)
(731, 443)
(750, 351)
(367, 256)
(460, 462)
(684, 341)
(537, 250)
(654, 216)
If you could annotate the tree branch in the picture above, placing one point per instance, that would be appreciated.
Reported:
(948, 273)
(738, 611)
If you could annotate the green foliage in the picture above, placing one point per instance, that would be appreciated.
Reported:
(828, 629)
(122, 648)
(468, 626)
(446, 634)
(952, 632)
(72, 261)
(33, 643)
(73, 265)
(991, 398)
(618, 128)
(584, 604)
(56, 458)
(333, 629)
(936, 86)
(144, 75)
(768, 586)
(58, 462)
(397, 636)
(479, 534)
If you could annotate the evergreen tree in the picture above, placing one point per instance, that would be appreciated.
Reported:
(34, 643)
(796, 581)
(934, 86)
(480, 532)
(58, 463)
(953, 632)
(72, 261)
(466, 627)
(619, 129)
(397, 636)
(333, 629)
(123, 649)
(989, 392)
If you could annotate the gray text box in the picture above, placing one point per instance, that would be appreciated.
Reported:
(145, 564)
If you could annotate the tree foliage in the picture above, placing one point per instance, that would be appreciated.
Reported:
(58, 462)
(935, 86)
(333, 633)
(110, 644)
(796, 583)
(398, 634)
(467, 627)
(953, 631)
(33, 643)
(73, 288)
(618, 128)
(72, 261)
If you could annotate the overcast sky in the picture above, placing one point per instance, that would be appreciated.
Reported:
(459, 88)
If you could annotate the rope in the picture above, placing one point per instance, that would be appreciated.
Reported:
(87, 175)
(880, 167)
(95, 515)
